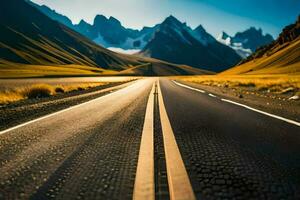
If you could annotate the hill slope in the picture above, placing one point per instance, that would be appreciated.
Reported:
(281, 56)
(32, 44)
(107, 32)
(175, 42)
(52, 14)
(30, 37)
(160, 68)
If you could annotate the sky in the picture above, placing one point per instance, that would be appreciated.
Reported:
(216, 16)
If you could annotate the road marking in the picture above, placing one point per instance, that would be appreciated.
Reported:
(262, 112)
(245, 106)
(64, 110)
(191, 88)
(195, 89)
(211, 95)
(179, 183)
(144, 181)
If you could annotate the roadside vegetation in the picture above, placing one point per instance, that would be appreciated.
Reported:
(9, 95)
(12, 70)
(277, 84)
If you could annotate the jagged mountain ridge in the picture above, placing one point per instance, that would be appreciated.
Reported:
(30, 37)
(107, 32)
(287, 35)
(110, 33)
(175, 42)
(31, 40)
(246, 42)
(279, 57)
(127, 38)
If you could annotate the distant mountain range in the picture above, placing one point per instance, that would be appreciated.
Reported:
(107, 32)
(281, 56)
(28, 37)
(175, 42)
(203, 52)
(207, 52)
(246, 42)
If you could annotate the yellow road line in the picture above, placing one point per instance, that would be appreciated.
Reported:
(179, 184)
(144, 180)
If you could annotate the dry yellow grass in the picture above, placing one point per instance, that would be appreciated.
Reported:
(271, 83)
(9, 96)
(13, 70)
(284, 61)
(41, 90)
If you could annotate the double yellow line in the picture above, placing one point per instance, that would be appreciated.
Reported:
(178, 180)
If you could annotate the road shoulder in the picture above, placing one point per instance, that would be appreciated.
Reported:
(278, 106)
(26, 110)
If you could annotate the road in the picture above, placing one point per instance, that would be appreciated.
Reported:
(153, 139)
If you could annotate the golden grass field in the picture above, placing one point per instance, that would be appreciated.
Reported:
(13, 94)
(272, 83)
(11, 70)
(284, 60)
(277, 72)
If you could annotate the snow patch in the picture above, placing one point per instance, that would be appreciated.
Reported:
(127, 45)
(226, 41)
(237, 46)
(124, 51)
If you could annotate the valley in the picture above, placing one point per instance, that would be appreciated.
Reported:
(158, 106)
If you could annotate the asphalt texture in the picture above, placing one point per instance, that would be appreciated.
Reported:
(91, 151)
(30, 109)
(161, 179)
(231, 152)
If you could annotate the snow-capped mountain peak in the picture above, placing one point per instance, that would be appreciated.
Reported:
(109, 32)
(174, 29)
(246, 42)
(224, 38)
(184, 33)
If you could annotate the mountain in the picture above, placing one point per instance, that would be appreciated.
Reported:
(155, 67)
(200, 34)
(203, 52)
(175, 42)
(107, 32)
(282, 56)
(32, 41)
(30, 37)
(110, 33)
(52, 14)
(246, 42)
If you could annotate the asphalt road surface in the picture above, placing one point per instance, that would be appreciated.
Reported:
(154, 139)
